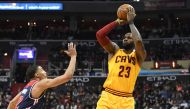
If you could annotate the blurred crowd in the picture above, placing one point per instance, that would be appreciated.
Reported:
(96, 57)
(158, 49)
(87, 54)
(86, 30)
(163, 95)
(73, 97)
(148, 95)
(5, 95)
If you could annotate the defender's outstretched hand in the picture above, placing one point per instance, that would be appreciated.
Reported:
(71, 50)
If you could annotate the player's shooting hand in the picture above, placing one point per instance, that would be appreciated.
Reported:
(121, 22)
(71, 50)
(131, 14)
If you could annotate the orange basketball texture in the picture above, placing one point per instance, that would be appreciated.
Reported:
(122, 11)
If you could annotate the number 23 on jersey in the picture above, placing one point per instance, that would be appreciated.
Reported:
(124, 71)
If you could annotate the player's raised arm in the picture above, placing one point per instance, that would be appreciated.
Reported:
(103, 39)
(69, 71)
(44, 84)
(139, 46)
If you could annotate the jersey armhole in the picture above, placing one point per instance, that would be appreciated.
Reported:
(30, 93)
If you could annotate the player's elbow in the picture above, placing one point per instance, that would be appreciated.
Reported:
(97, 34)
(69, 76)
(60, 80)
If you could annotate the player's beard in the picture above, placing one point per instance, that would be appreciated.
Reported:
(129, 46)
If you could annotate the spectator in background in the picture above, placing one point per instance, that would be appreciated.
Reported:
(60, 106)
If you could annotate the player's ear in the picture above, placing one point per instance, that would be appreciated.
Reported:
(36, 75)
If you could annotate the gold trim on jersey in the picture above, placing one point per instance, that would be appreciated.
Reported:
(118, 93)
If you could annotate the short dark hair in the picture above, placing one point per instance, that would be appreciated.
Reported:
(30, 72)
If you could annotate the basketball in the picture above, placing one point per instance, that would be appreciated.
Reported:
(122, 11)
